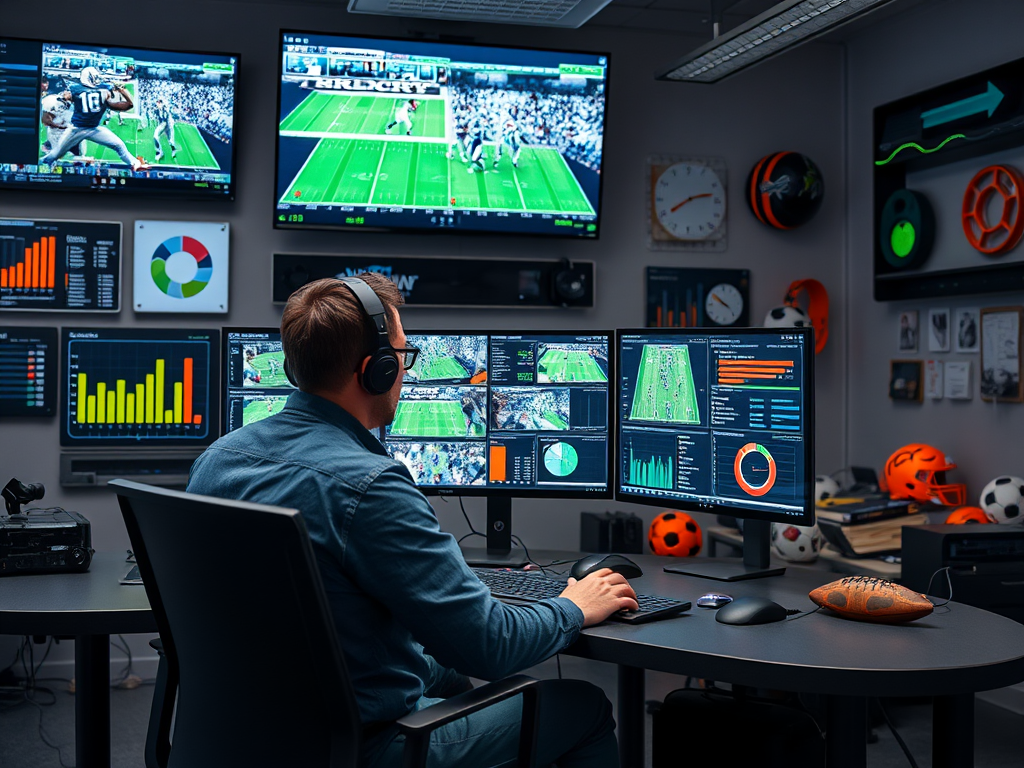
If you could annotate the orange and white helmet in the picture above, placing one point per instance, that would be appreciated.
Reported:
(918, 471)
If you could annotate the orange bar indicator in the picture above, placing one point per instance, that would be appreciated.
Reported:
(197, 419)
(53, 260)
(773, 363)
(34, 279)
(187, 409)
(498, 455)
(19, 281)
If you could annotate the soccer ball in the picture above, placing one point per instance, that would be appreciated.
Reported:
(787, 316)
(824, 488)
(796, 543)
(1003, 499)
(674, 533)
(967, 515)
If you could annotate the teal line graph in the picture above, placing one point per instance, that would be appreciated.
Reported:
(919, 148)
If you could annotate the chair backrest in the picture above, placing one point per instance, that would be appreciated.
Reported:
(247, 632)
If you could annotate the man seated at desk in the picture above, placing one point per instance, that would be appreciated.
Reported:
(412, 618)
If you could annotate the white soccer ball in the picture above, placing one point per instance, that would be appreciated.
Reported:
(787, 316)
(824, 488)
(1003, 499)
(796, 543)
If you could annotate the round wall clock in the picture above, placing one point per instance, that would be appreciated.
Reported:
(991, 213)
(686, 203)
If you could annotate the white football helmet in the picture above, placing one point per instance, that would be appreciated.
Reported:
(90, 77)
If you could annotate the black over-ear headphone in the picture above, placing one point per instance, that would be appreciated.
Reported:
(383, 367)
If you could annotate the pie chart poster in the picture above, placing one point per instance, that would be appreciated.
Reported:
(181, 266)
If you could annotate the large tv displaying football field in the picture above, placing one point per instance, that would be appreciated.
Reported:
(403, 134)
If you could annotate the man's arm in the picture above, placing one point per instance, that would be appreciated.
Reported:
(124, 104)
(47, 119)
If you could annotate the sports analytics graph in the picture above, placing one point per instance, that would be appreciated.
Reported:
(28, 371)
(56, 266)
(139, 387)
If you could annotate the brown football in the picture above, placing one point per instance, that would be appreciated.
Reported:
(868, 599)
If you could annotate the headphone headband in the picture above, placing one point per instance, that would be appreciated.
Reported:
(383, 367)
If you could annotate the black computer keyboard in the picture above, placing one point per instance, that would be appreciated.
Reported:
(531, 587)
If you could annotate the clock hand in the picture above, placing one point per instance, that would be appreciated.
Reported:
(716, 298)
(691, 197)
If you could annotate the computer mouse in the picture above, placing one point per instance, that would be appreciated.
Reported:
(587, 565)
(751, 610)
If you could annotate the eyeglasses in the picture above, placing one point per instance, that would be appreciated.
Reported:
(408, 356)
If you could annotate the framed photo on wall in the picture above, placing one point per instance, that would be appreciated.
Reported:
(966, 330)
(907, 341)
(938, 330)
(905, 380)
(1000, 354)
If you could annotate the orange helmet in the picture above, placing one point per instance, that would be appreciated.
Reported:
(918, 471)
(967, 515)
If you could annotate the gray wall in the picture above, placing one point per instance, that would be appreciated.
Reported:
(794, 103)
(932, 44)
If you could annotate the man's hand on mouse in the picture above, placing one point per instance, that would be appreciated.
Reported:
(601, 594)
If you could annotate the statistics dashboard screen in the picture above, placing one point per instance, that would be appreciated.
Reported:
(60, 266)
(717, 420)
(255, 385)
(142, 387)
(102, 118)
(28, 371)
(414, 134)
(522, 414)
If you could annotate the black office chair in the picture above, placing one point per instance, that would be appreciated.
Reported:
(250, 655)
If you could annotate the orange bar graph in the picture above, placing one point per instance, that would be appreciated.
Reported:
(498, 455)
(53, 261)
(34, 283)
(36, 270)
(187, 411)
(20, 279)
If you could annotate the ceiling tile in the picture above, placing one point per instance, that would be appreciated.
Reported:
(669, 21)
(613, 16)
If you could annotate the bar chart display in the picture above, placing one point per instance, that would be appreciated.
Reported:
(716, 418)
(28, 371)
(60, 266)
(139, 387)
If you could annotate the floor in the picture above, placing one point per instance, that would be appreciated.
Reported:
(999, 733)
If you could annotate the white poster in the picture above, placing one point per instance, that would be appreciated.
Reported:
(933, 379)
(958, 380)
(181, 266)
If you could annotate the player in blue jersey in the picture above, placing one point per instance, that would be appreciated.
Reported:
(92, 97)
(476, 132)
(164, 122)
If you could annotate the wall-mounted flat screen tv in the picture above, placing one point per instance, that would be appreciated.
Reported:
(420, 135)
(76, 116)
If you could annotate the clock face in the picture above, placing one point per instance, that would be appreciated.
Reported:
(689, 201)
(724, 304)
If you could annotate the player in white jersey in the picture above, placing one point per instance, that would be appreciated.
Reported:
(512, 138)
(461, 120)
(56, 114)
(402, 116)
(164, 122)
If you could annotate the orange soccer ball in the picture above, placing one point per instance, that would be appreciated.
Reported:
(674, 533)
(967, 515)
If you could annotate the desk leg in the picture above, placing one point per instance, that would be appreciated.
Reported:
(92, 701)
(953, 731)
(631, 717)
(846, 722)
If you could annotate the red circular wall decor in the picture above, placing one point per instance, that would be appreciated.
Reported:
(1004, 232)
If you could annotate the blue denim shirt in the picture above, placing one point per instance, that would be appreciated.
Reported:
(397, 584)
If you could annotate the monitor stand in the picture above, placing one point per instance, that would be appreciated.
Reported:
(499, 553)
(756, 562)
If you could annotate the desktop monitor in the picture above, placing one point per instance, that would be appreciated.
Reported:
(28, 371)
(503, 415)
(255, 385)
(719, 420)
(145, 388)
(385, 134)
(176, 138)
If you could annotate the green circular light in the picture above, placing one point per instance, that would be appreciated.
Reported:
(902, 238)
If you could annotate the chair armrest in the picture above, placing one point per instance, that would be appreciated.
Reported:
(417, 726)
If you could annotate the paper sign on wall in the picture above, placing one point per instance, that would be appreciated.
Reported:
(181, 266)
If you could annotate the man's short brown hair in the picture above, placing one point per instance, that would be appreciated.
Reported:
(326, 333)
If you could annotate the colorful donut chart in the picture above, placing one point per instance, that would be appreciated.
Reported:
(994, 237)
(737, 468)
(195, 249)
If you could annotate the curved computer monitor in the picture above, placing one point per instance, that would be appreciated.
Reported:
(718, 420)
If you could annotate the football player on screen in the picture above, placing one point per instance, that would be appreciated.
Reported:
(164, 122)
(476, 134)
(512, 138)
(55, 114)
(91, 98)
(402, 116)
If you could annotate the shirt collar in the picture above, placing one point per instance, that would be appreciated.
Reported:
(334, 414)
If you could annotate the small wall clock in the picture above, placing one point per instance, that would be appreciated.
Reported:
(686, 203)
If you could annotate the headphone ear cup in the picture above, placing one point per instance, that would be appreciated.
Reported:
(380, 372)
